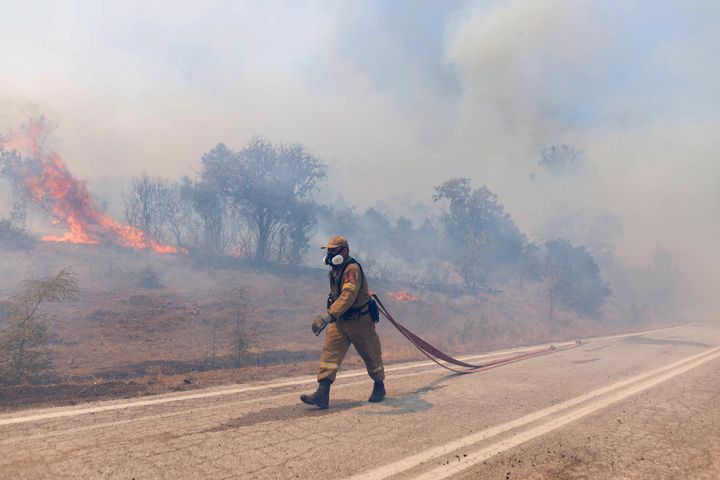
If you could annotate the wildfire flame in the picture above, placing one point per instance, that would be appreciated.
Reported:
(45, 180)
(404, 297)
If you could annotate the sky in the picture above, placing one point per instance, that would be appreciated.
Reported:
(396, 97)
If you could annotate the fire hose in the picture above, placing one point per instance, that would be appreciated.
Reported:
(437, 356)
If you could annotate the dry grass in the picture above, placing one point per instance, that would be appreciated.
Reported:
(118, 339)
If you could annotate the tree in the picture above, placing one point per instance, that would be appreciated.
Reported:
(13, 234)
(559, 160)
(573, 278)
(270, 187)
(374, 232)
(484, 237)
(403, 236)
(144, 205)
(23, 342)
(344, 220)
(178, 212)
(294, 236)
(595, 229)
(211, 207)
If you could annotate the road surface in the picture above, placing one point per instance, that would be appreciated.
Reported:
(633, 406)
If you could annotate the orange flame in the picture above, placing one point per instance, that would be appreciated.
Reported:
(46, 181)
(404, 297)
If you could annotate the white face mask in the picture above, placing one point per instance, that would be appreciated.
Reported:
(336, 260)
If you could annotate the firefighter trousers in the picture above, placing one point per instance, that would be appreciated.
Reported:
(360, 332)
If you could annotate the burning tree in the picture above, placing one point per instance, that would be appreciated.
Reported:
(43, 178)
(23, 341)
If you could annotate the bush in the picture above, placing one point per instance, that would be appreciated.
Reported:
(24, 354)
(574, 278)
(150, 280)
(13, 237)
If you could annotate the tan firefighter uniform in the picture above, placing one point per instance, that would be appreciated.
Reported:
(352, 324)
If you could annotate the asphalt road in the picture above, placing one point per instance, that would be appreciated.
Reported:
(634, 406)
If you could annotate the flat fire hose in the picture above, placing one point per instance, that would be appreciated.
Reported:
(438, 356)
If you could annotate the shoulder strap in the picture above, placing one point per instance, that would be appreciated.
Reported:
(338, 283)
(342, 273)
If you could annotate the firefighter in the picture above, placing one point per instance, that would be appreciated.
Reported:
(351, 315)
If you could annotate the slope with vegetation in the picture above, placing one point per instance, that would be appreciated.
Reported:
(235, 302)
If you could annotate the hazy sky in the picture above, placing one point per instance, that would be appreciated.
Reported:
(396, 97)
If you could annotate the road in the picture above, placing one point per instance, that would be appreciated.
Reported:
(633, 406)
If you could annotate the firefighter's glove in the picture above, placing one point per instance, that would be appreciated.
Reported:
(320, 322)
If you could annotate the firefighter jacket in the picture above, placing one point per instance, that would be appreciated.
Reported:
(348, 291)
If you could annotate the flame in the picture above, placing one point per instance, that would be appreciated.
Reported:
(404, 297)
(45, 180)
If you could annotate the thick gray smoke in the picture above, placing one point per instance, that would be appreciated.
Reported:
(397, 98)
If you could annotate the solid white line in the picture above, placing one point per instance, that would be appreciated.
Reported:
(192, 411)
(161, 399)
(632, 334)
(407, 463)
(483, 454)
(165, 398)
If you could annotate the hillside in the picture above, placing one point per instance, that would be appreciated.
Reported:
(120, 339)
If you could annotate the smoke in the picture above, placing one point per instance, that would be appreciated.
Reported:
(398, 97)
(604, 79)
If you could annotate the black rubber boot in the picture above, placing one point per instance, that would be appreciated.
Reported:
(321, 397)
(378, 392)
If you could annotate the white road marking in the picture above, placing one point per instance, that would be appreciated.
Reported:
(632, 334)
(483, 454)
(165, 398)
(407, 463)
(190, 411)
(161, 399)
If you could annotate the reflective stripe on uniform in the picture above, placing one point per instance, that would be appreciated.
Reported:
(349, 286)
(375, 370)
(329, 365)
